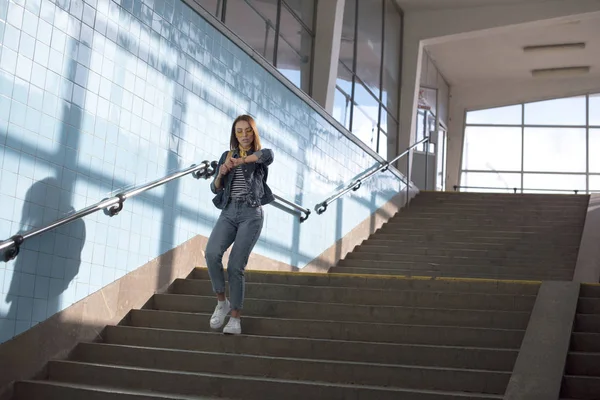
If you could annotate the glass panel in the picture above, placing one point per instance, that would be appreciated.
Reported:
(594, 150)
(495, 181)
(566, 111)
(594, 183)
(304, 9)
(365, 115)
(341, 107)
(492, 148)
(348, 34)
(441, 161)
(383, 144)
(420, 134)
(212, 6)
(254, 22)
(510, 115)
(554, 149)
(369, 42)
(595, 110)
(343, 96)
(553, 183)
(391, 57)
(295, 48)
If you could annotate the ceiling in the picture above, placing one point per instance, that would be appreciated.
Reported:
(500, 56)
(417, 5)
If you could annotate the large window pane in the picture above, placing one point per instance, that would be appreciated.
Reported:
(304, 9)
(554, 150)
(369, 42)
(348, 34)
(496, 182)
(492, 148)
(341, 107)
(383, 144)
(391, 57)
(510, 115)
(595, 110)
(254, 22)
(365, 115)
(294, 51)
(559, 183)
(343, 96)
(566, 111)
(594, 150)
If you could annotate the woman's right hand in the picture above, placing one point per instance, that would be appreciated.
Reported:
(224, 170)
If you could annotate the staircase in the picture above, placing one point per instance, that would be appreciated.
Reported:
(476, 235)
(387, 323)
(307, 336)
(582, 372)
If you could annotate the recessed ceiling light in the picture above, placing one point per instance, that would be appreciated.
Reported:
(554, 47)
(559, 72)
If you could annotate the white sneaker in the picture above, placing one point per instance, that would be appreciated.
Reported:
(218, 317)
(233, 327)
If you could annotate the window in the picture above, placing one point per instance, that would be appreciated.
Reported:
(551, 145)
(366, 99)
(567, 111)
(285, 41)
(506, 145)
(510, 115)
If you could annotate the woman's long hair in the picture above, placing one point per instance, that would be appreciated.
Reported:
(234, 142)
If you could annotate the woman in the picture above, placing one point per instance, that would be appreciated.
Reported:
(241, 191)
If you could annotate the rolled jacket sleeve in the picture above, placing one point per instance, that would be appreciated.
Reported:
(265, 156)
(213, 188)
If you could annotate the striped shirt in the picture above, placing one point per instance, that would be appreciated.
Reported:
(239, 188)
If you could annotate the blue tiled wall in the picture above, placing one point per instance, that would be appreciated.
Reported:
(100, 95)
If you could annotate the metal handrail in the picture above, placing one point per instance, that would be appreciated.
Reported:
(113, 205)
(356, 184)
(301, 210)
(576, 191)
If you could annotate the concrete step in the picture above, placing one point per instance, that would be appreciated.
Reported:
(372, 297)
(483, 195)
(580, 387)
(338, 330)
(517, 267)
(491, 230)
(581, 363)
(437, 237)
(450, 273)
(296, 369)
(492, 359)
(585, 342)
(588, 305)
(587, 323)
(49, 390)
(482, 212)
(494, 209)
(478, 221)
(590, 290)
(370, 282)
(231, 386)
(356, 313)
(401, 255)
(468, 246)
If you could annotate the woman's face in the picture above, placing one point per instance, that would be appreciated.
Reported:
(244, 133)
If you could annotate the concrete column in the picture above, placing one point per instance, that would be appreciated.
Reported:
(540, 365)
(455, 140)
(587, 269)
(328, 35)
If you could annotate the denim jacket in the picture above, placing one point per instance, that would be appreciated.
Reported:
(259, 193)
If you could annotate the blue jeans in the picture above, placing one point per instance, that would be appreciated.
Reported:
(241, 225)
